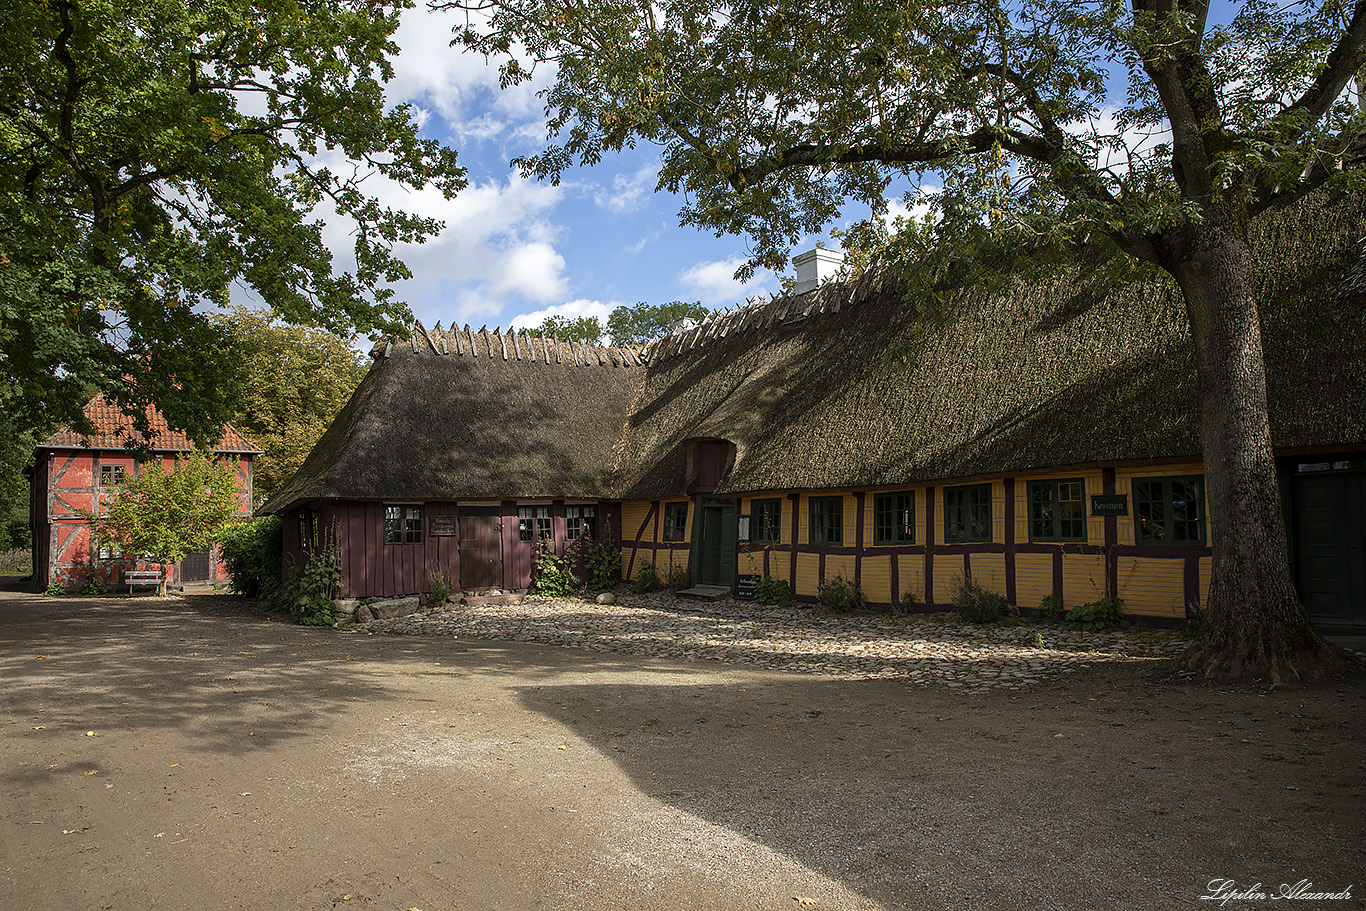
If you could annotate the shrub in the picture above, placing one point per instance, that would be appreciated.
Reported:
(840, 595)
(976, 604)
(55, 590)
(908, 604)
(439, 586)
(602, 558)
(646, 580)
(317, 585)
(552, 575)
(1052, 609)
(677, 578)
(772, 591)
(1096, 615)
(254, 552)
(91, 586)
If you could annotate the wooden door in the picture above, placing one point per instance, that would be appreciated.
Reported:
(1330, 546)
(716, 552)
(481, 555)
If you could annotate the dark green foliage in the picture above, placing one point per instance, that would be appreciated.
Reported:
(976, 604)
(646, 580)
(254, 553)
(155, 155)
(677, 577)
(908, 604)
(1097, 615)
(439, 586)
(552, 575)
(316, 586)
(643, 322)
(602, 560)
(772, 591)
(1051, 609)
(840, 595)
(572, 329)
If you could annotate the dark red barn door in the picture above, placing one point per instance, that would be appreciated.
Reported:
(481, 557)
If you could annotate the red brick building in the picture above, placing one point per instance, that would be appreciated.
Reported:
(74, 473)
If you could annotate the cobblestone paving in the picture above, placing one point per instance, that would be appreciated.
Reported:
(924, 649)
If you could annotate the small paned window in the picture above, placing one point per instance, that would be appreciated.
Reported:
(403, 525)
(111, 475)
(766, 522)
(675, 521)
(827, 521)
(967, 514)
(1057, 510)
(1170, 511)
(533, 523)
(580, 522)
(894, 518)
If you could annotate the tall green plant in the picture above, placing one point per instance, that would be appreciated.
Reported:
(164, 515)
(316, 586)
(254, 553)
(552, 575)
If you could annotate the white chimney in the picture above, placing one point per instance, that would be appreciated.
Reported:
(815, 267)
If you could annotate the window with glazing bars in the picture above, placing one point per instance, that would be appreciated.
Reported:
(1170, 511)
(827, 521)
(967, 514)
(766, 521)
(533, 523)
(1057, 510)
(403, 525)
(894, 518)
(580, 522)
(675, 521)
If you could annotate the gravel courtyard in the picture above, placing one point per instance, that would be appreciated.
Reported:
(189, 752)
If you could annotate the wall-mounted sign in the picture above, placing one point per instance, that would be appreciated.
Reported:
(745, 586)
(1110, 504)
(438, 526)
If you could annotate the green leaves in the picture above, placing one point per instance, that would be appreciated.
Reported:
(154, 154)
(166, 514)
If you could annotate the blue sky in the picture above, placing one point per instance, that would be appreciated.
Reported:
(514, 251)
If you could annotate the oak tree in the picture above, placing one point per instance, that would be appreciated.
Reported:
(153, 154)
(772, 115)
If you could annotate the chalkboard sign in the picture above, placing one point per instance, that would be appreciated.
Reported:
(438, 526)
(744, 587)
(1110, 504)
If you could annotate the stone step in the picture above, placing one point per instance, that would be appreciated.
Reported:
(705, 592)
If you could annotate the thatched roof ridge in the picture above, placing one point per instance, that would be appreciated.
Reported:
(1353, 290)
(458, 414)
(846, 386)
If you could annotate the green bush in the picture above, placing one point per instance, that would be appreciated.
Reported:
(772, 591)
(840, 595)
(552, 575)
(677, 578)
(1097, 615)
(439, 586)
(908, 604)
(602, 559)
(316, 586)
(976, 604)
(1052, 609)
(254, 552)
(646, 580)
(55, 590)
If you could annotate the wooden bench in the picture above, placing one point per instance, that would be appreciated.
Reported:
(145, 577)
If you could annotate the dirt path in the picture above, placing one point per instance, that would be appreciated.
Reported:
(186, 753)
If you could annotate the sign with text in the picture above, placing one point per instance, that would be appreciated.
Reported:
(744, 587)
(1110, 504)
(439, 526)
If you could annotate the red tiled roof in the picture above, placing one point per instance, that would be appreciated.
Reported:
(113, 428)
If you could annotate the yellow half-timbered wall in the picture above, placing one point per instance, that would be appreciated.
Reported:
(1152, 581)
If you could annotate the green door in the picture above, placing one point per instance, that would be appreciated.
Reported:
(718, 527)
(1330, 546)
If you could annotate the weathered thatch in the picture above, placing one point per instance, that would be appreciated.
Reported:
(457, 414)
(1353, 290)
(848, 387)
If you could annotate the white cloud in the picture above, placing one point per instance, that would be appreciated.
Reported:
(572, 310)
(628, 191)
(533, 270)
(714, 283)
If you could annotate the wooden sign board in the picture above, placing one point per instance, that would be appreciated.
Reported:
(441, 526)
(1110, 504)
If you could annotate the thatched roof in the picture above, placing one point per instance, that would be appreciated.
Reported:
(451, 414)
(814, 392)
(847, 386)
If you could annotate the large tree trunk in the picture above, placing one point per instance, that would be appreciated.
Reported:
(1255, 625)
